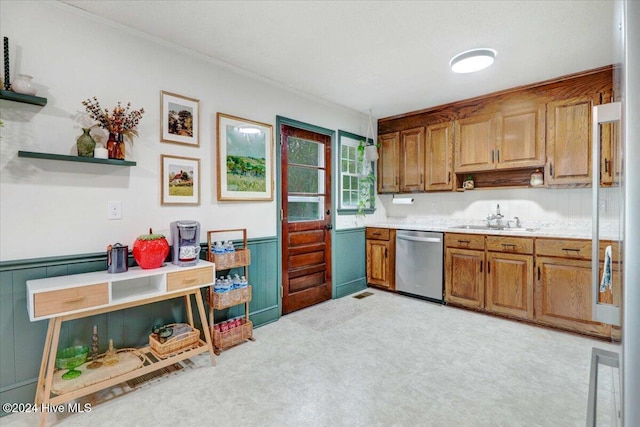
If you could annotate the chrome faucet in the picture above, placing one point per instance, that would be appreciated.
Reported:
(498, 217)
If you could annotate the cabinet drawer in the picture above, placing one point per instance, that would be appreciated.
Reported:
(464, 241)
(516, 245)
(565, 248)
(70, 299)
(378, 233)
(189, 278)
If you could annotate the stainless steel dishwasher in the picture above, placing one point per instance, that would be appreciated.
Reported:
(419, 264)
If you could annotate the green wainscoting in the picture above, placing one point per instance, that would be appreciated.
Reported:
(22, 341)
(349, 266)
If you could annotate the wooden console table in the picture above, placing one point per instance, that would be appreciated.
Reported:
(81, 295)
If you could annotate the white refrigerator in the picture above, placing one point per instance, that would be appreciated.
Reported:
(630, 85)
(616, 215)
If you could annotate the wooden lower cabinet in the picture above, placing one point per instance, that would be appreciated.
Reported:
(381, 261)
(563, 296)
(464, 277)
(509, 288)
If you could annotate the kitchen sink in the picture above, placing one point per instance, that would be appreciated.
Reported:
(492, 227)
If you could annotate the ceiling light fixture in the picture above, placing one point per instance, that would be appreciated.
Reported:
(472, 60)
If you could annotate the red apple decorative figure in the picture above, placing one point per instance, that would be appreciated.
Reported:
(150, 250)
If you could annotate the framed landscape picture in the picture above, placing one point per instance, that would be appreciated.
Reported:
(180, 180)
(179, 119)
(245, 159)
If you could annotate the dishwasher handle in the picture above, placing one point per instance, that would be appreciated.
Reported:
(419, 239)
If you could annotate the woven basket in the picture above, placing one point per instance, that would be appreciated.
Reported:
(176, 343)
(226, 261)
(231, 298)
(226, 339)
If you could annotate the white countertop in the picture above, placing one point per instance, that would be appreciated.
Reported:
(567, 229)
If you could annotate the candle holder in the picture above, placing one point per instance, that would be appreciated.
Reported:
(95, 363)
(111, 356)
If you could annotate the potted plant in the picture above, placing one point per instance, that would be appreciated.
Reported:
(367, 153)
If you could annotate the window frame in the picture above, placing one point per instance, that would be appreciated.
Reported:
(351, 210)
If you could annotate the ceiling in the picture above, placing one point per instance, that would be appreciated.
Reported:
(389, 57)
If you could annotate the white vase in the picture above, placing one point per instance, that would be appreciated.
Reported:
(22, 84)
(101, 153)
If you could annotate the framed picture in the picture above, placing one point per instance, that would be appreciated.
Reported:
(245, 159)
(180, 180)
(179, 119)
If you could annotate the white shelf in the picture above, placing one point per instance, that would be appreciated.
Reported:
(137, 287)
(133, 285)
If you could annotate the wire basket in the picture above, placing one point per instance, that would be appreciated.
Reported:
(233, 336)
(184, 337)
(231, 298)
(228, 260)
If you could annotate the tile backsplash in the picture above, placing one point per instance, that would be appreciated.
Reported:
(529, 204)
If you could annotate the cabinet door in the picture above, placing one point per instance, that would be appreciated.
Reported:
(438, 150)
(378, 263)
(475, 142)
(521, 137)
(569, 141)
(562, 295)
(610, 156)
(388, 163)
(464, 277)
(412, 160)
(510, 284)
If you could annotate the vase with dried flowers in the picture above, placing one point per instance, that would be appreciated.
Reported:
(119, 122)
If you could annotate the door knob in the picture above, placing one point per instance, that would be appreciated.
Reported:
(329, 226)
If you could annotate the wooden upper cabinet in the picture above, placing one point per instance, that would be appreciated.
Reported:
(389, 163)
(412, 160)
(438, 161)
(510, 139)
(521, 137)
(569, 141)
(475, 141)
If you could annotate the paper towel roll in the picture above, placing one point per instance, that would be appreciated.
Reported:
(402, 200)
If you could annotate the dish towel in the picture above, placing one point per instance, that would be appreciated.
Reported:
(605, 283)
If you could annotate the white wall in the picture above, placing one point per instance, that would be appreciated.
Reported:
(51, 208)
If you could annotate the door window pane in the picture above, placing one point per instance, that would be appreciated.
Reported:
(305, 208)
(305, 180)
(304, 152)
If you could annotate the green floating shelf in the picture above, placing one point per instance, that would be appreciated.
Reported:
(47, 156)
(26, 99)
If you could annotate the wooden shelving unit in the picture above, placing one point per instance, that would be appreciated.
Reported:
(220, 301)
(62, 157)
(25, 99)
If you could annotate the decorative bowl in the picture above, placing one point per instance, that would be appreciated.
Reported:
(70, 358)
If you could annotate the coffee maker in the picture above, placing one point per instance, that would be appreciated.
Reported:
(185, 241)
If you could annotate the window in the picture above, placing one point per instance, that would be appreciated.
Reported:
(352, 179)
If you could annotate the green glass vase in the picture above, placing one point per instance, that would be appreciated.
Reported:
(86, 144)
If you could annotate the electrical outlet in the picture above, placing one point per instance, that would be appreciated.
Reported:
(114, 210)
(434, 207)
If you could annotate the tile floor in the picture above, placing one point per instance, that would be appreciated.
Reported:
(385, 360)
